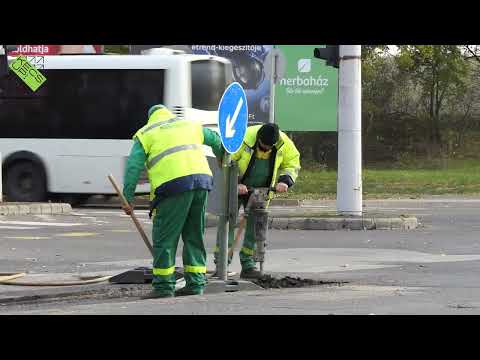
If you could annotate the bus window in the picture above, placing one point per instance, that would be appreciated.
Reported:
(81, 103)
(11, 86)
(208, 84)
(20, 108)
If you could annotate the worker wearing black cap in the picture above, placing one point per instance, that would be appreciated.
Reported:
(267, 158)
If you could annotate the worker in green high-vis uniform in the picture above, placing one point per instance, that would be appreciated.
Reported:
(266, 158)
(180, 179)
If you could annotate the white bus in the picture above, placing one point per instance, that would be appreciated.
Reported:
(62, 140)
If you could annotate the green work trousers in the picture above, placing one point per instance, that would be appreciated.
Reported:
(181, 214)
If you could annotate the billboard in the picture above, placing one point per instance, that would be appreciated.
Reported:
(306, 92)
(41, 50)
(250, 69)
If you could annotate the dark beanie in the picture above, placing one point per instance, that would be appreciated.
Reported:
(269, 134)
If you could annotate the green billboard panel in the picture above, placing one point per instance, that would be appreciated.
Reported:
(306, 90)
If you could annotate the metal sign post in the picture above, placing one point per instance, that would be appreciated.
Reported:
(232, 123)
(223, 223)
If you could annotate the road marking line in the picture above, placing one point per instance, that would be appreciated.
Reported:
(78, 234)
(37, 223)
(19, 227)
(119, 212)
(121, 231)
(27, 237)
(45, 217)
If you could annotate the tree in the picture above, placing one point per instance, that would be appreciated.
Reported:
(440, 71)
(472, 52)
(464, 108)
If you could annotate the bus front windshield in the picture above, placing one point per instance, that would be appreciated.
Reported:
(209, 81)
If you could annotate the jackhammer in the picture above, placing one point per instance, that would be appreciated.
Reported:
(256, 210)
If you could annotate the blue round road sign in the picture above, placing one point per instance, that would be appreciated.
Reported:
(233, 117)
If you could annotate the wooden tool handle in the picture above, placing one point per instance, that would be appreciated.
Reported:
(132, 215)
(238, 237)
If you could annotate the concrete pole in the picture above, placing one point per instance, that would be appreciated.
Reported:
(273, 80)
(3, 51)
(1, 179)
(349, 178)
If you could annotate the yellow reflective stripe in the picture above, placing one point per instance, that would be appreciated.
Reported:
(195, 269)
(217, 249)
(172, 150)
(164, 272)
(247, 251)
(160, 123)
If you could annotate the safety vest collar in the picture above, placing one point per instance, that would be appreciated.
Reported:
(160, 123)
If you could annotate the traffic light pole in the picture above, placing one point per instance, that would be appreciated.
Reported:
(273, 80)
(349, 175)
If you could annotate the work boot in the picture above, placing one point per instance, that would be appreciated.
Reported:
(251, 273)
(187, 292)
(154, 294)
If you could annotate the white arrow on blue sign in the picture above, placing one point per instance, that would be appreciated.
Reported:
(233, 117)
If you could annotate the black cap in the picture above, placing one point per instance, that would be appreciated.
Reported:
(269, 134)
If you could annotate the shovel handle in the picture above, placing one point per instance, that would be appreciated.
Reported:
(238, 237)
(132, 215)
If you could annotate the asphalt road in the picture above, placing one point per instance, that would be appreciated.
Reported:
(431, 270)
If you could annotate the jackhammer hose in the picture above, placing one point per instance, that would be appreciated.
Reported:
(7, 280)
(9, 277)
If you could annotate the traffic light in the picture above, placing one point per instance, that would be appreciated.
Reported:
(330, 53)
(3, 61)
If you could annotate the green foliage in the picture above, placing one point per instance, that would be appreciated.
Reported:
(439, 72)
(459, 177)
(116, 49)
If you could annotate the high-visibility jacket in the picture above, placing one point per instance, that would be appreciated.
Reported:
(285, 158)
(175, 158)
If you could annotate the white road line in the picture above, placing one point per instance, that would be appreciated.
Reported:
(37, 223)
(45, 217)
(19, 228)
(119, 212)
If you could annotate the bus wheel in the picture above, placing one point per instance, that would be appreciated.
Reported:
(26, 181)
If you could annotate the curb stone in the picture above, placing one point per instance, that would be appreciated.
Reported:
(35, 208)
(335, 223)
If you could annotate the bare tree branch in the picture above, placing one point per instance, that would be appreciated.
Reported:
(474, 54)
